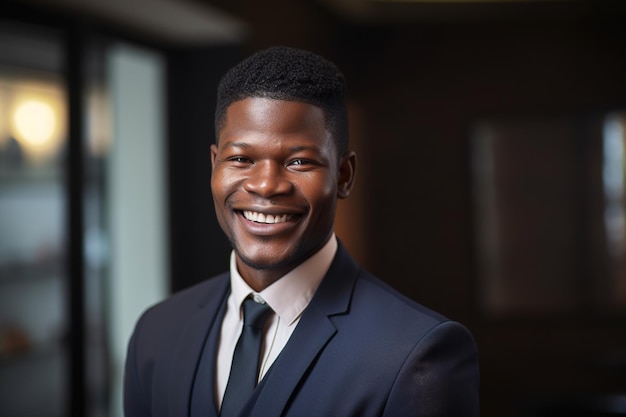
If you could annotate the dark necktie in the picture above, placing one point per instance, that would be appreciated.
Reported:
(244, 370)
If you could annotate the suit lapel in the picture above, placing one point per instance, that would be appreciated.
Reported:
(191, 344)
(313, 332)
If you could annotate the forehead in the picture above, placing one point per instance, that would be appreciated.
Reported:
(272, 116)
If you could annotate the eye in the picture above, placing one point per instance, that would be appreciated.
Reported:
(299, 162)
(240, 160)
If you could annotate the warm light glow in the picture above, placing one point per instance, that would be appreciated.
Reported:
(36, 122)
(37, 119)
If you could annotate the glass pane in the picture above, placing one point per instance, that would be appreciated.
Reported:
(527, 169)
(33, 322)
(136, 196)
(614, 168)
(96, 237)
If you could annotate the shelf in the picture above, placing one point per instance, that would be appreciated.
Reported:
(28, 175)
(16, 272)
(31, 353)
(34, 382)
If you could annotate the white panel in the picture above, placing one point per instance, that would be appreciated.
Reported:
(136, 193)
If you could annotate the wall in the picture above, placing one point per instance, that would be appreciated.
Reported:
(419, 89)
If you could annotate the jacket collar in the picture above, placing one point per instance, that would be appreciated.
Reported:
(313, 332)
(191, 344)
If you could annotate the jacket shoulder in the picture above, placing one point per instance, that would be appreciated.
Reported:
(374, 290)
(177, 306)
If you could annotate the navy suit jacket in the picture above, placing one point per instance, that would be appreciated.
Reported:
(360, 349)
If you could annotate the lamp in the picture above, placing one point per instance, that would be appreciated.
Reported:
(37, 121)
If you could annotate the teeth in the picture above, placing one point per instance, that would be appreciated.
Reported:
(264, 218)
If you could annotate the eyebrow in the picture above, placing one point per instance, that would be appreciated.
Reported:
(292, 149)
(237, 145)
(305, 148)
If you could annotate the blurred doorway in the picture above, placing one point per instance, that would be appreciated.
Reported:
(82, 221)
(34, 321)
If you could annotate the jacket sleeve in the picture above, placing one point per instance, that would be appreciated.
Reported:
(135, 402)
(439, 378)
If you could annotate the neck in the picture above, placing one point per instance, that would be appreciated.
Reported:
(260, 279)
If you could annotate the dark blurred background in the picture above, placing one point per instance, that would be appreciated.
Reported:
(490, 187)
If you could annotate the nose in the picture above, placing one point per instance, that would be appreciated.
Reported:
(268, 179)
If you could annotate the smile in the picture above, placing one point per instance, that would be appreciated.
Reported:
(257, 217)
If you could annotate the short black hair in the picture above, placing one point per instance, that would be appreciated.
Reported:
(290, 74)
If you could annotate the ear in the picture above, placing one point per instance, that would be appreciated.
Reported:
(347, 174)
(213, 155)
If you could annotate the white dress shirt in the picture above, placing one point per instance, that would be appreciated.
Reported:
(288, 297)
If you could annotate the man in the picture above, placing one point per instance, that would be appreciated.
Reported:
(337, 341)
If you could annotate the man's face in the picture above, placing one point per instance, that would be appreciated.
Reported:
(276, 179)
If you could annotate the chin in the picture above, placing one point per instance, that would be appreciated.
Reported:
(264, 257)
(263, 263)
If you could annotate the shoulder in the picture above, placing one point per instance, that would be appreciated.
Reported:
(394, 316)
(177, 306)
(371, 293)
(437, 358)
(358, 297)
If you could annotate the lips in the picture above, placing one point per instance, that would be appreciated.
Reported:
(264, 218)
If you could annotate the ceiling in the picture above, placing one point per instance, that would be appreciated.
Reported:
(201, 22)
(173, 21)
(452, 10)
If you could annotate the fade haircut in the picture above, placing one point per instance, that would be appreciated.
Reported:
(289, 74)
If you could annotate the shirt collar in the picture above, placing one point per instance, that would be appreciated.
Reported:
(289, 295)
